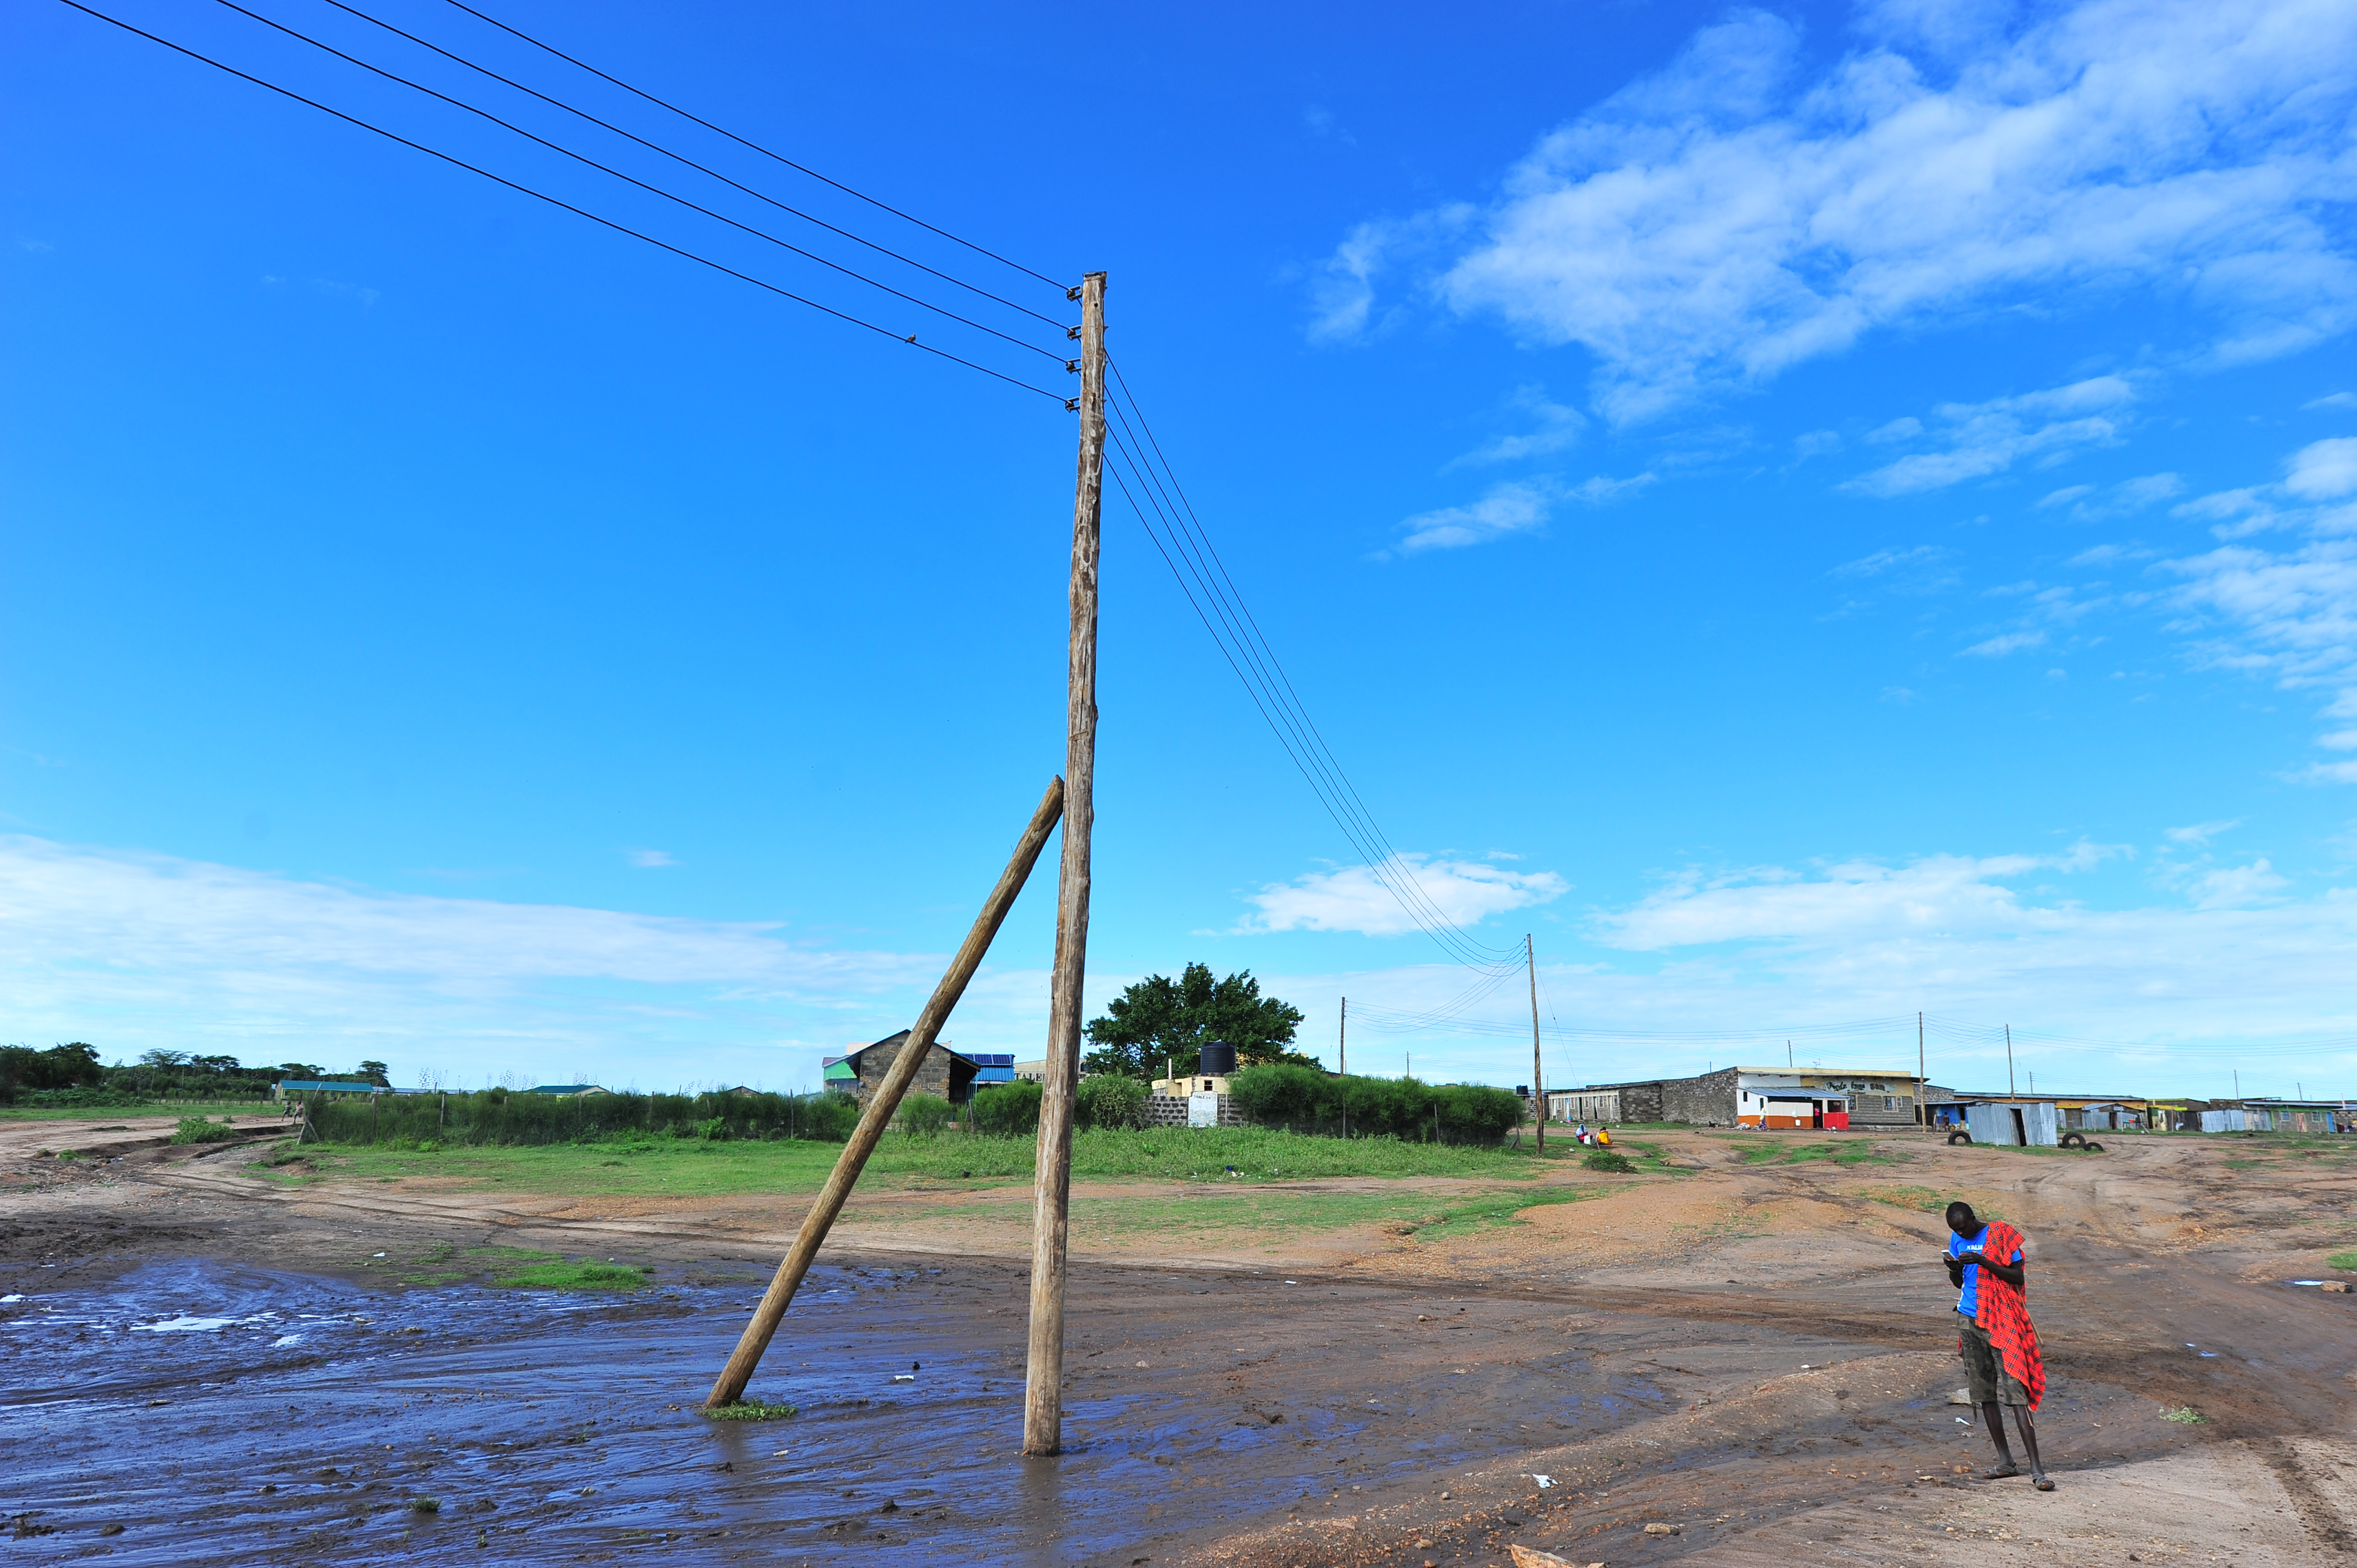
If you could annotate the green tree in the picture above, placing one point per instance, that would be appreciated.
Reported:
(374, 1072)
(1160, 1019)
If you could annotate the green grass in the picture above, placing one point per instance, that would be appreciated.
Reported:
(1422, 1214)
(1761, 1149)
(685, 1167)
(575, 1275)
(1930, 1200)
(256, 1110)
(202, 1130)
(2343, 1261)
(2185, 1415)
(748, 1410)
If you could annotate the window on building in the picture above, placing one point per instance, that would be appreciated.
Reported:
(1888, 1103)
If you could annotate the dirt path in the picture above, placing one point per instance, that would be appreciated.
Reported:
(1754, 1355)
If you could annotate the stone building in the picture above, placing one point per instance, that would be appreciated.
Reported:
(1830, 1098)
(946, 1074)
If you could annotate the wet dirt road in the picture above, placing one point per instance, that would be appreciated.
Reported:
(1755, 1360)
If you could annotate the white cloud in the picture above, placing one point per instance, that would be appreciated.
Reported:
(1883, 561)
(1508, 509)
(1522, 506)
(1557, 428)
(2109, 555)
(1975, 440)
(2235, 887)
(2330, 400)
(2324, 471)
(131, 950)
(1816, 443)
(1729, 216)
(2094, 503)
(650, 859)
(1942, 895)
(2007, 642)
(1351, 898)
(2200, 832)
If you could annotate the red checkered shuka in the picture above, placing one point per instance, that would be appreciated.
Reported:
(2004, 1313)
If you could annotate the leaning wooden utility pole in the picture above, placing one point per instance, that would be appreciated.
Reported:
(1538, 1080)
(1043, 1378)
(1342, 1042)
(884, 1101)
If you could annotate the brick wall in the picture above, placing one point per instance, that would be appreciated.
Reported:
(1705, 1101)
(876, 1062)
(1170, 1111)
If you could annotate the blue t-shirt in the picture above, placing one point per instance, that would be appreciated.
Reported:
(1969, 1301)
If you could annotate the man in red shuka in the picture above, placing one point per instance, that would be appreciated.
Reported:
(2000, 1347)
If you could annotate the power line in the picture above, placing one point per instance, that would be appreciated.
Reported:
(1289, 700)
(632, 179)
(757, 146)
(1157, 497)
(691, 162)
(909, 338)
(1388, 869)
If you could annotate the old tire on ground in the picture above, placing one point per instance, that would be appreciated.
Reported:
(1960, 1136)
(2094, 1148)
(2074, 1140)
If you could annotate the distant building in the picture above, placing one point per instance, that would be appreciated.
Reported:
(575, 1090)
(946, 1074)
(1827, 1097)
(2270, 1115)
(322, 1086)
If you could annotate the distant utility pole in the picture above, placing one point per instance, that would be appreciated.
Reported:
(2238, 1083)
(1788, 1054)
(1342, 1043)
(1043, 1377)
(2008, 1061)
(1538, 1075)
(1922, 1111)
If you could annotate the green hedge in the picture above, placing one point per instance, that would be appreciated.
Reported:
(1304, 1100)
(1007, 1109)
(501, 1116)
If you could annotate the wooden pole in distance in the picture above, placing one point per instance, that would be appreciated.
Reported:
(1922, 1111)
(1043, 1374)
(884, 1103)
(1538, 1082)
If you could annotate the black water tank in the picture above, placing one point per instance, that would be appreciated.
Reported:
(1219, 1059)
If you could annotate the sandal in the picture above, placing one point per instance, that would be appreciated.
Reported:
(2042, 1484)
(2003, 1472)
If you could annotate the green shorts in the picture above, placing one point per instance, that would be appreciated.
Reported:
(1984, 1371)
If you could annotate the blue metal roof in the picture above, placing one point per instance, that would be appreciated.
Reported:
(994, 1075)
(323, 1086)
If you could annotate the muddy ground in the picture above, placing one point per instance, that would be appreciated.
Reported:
(1754, 1358)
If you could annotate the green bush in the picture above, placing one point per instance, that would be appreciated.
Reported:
(1608, 1160)
(197, 1129)
(1007, 1109)
(924, 1113)
(1108, 1099)
(1306, 1099)
(496, 1116)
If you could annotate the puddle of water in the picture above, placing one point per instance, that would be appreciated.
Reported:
(308, 1415)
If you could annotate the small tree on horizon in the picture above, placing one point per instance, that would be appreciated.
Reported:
(1160, 1019)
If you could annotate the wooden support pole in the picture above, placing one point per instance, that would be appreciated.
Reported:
(884, 1103)
(1043, 1376)
(1538, 1079)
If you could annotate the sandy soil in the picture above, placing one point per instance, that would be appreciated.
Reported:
(1752, 1358)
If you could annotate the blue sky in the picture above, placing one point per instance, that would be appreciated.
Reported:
(1816, 513)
